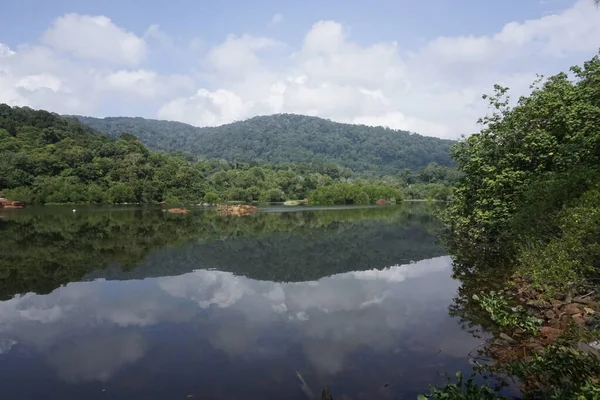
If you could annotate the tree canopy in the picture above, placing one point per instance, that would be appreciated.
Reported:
(47, 158)
(288, 138)
(530, 177)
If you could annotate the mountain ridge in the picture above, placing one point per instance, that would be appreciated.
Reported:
(280, 138)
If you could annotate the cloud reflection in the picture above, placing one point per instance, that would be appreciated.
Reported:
(88, 330)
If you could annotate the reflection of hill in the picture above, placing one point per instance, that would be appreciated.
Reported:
(301, 256)
(42, 249)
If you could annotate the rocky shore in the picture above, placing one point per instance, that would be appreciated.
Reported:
(574, 315)
(6, 203)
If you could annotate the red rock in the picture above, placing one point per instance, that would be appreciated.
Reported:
(381, 202)
(239, 210)
(178, 210)
(549, 331)
(6, 203)
(571, 309)
(578, 319)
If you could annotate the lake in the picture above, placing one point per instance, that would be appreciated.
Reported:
(134, 303)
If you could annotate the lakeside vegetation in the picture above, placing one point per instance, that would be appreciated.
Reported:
(528, 207)
(51, 159)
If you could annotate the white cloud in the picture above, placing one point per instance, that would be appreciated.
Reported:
(434, 90)
(87, 330)
(95, 37)
(38, 82)
(238, 54)
(206, 108)
(96, 358)
(146, 83)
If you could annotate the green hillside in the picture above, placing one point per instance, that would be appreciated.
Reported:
(47, 158)
(288, 138)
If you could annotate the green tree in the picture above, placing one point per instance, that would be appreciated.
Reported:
(212, 198)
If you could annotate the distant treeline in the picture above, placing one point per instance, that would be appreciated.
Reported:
(51, 159)
(282, 138)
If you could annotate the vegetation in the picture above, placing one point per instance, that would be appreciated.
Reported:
(286, 138)
(528, 201)
(530, 177)
(506, 316)
(461, 390)
(344, 193)
(50, 159)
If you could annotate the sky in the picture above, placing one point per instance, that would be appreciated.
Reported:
(420, 66)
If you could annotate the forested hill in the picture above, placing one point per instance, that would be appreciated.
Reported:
(288, 138)
(46, 158)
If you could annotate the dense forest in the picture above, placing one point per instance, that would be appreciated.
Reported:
(51, 159)
(288, 138)
(527, 206)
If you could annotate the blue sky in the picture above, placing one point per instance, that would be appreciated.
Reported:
(420, 66)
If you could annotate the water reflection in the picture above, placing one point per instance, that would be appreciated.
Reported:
(46, 247)
(335, 299)
(329, 329)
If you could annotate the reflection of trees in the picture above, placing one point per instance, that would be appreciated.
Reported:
(473, 281)
(42, 249)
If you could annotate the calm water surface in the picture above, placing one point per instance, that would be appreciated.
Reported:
(124, 303)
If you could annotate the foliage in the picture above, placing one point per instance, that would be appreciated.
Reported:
(570, 256)
(461, 390)
(212, 198)
(528, 198)
(345, 193)
(553, 130)
(285, 138)
(559, 373)
(51, 159)
(506, 316)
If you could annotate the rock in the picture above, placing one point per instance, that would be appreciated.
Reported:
(589, 310)
(522, 300)
(539, 304)
(549, 314)
(554, 323)
(589, 348)
(504, 336)
(586, 301)
(239, 210)
(178, 210)
(534, 346)
(578, 319)
(560, 296)
(549, 331)
(6, 203)
(571, 309)
(381, 202)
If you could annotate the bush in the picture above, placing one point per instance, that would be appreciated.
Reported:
(22, 194)
(211, 198)
(343, 193)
